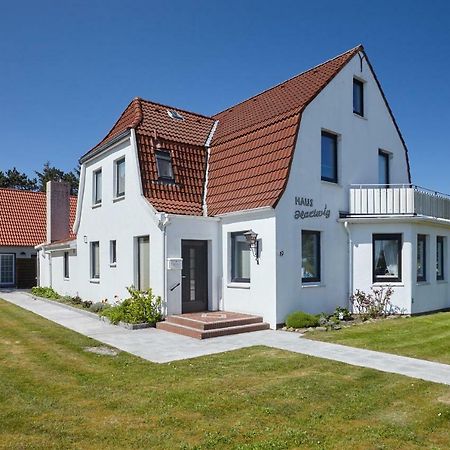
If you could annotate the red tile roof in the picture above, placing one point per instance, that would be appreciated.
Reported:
(252, 149)
(23, 217)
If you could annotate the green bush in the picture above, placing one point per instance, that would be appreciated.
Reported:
(300, 319)
(98, 307)
(140, 307)
(45, 292)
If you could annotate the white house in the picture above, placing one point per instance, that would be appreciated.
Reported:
(290, 200)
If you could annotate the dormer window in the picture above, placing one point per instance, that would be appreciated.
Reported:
(358, 97)
(164, 166)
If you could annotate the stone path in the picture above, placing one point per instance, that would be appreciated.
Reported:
(161, 346)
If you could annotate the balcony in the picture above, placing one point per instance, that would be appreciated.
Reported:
(397, 199)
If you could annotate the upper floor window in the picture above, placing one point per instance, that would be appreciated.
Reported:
(97, 187)
(440, 254)
(329, 169)
(383, 168)
(310, 256)
(421, 257)
(240, 258)
(119, 177)
(387, 257)
(164, 166)
(358, 97)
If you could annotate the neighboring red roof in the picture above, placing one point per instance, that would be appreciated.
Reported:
(23, 217)
(252, 149)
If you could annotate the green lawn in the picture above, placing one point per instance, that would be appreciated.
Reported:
(425, 337)
(53, 394)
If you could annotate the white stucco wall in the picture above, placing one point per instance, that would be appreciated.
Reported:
(258, 296)
(359, 140)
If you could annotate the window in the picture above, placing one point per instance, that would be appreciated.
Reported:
(7, 269)
(164, 166)
(95, 260)
(97, 187)
(119, 177)
(421, 257)
(383, 168)
(440, 254)
(358, 97)
(240, 258)
(329, 157)
(66, 265)
(387, 257)
(310, 256)
(112, 253)
(143, 263)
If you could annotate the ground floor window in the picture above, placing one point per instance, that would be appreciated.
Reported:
(66, 265)
(7, 264)
(421, 257)
(310, 256)
(143, 263)
(440, 251)
(240, 258)
(95, 260)
(387, 257)
(112, 253)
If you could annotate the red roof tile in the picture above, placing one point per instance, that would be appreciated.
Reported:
(23, 217)
(253, 145)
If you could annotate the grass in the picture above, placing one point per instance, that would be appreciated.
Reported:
(53, 394)
(425, 337)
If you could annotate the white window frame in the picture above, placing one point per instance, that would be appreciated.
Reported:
(119, 194)
(66, 265)
(92, 263)
(112, 253)
(96, 198)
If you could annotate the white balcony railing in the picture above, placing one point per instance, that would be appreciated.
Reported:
(398, 199)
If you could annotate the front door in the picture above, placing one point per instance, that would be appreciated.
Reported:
(194, 276)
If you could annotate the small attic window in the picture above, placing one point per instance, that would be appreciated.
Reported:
(175, 115)
(164, 166)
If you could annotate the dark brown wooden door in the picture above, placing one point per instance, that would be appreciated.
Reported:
(194, 276)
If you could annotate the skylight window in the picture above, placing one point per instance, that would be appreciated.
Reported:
(175, 115)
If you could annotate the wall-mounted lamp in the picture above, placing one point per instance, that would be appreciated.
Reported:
(85, 239)
(252, 238)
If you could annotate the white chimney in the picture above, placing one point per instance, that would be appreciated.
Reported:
(58, 211)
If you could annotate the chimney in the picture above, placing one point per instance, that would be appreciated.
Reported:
(58, 211)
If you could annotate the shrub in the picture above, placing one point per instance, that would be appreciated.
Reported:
(376, 304)
(45, 292)
(140, 307)
(98, 307)
(300, 319)
(342, 313)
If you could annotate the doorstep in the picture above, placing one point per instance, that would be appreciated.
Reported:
(209, 324)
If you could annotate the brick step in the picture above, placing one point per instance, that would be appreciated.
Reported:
(203, 326)
(205, 334)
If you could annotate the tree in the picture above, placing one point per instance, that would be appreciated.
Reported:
(16, 180)
(51, 173)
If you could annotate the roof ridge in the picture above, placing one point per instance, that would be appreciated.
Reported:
(21, 190)
(359, 47)
(175, 108)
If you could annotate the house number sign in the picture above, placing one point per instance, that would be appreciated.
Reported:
(306, 214)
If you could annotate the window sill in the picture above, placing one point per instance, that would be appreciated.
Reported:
(312, 284)
(96, 205)
(94, 280)
(236, 285)
(441, 281)
(113, 265)
(331, 183)
(118, 199)
(423, 283)
(66, 279)
(387, 283)
(359, 116)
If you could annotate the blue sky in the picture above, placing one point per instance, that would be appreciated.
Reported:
(69, 68)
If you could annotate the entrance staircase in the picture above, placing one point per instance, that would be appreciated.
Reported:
(209, 324)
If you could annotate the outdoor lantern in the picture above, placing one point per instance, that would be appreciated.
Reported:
(252, 238)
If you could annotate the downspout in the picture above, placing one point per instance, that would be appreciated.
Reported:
(350, 260)
(164, 221)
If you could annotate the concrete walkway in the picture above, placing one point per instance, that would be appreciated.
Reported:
(161, 346)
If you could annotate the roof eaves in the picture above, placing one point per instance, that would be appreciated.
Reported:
(97, 150)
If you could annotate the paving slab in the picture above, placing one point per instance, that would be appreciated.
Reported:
(160, 346)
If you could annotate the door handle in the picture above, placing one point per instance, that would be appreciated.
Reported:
(183, 276)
